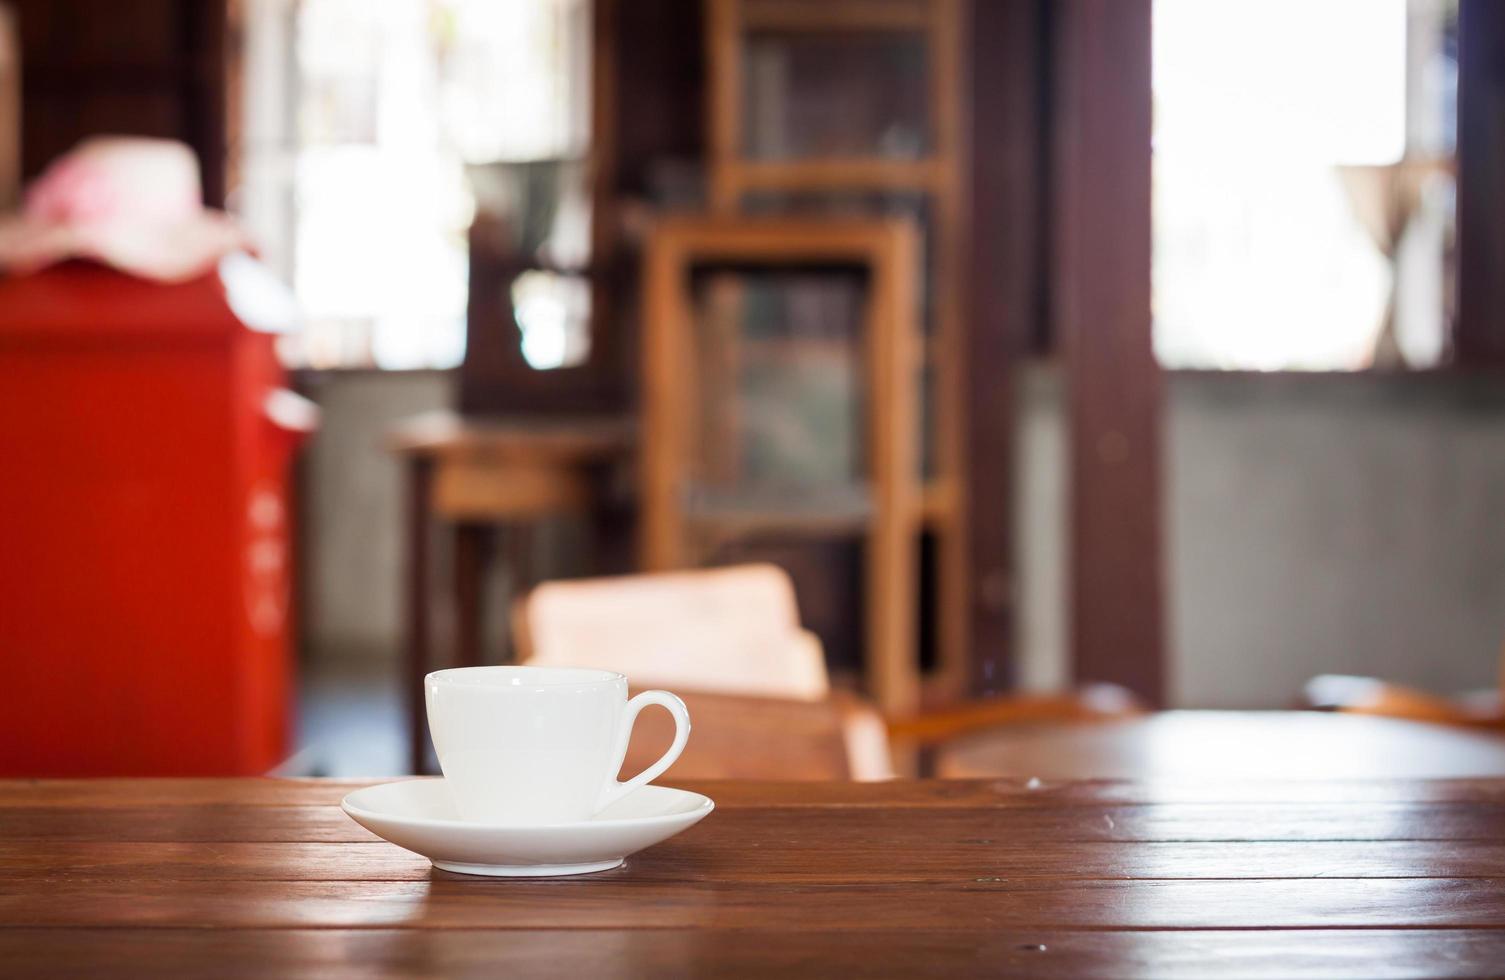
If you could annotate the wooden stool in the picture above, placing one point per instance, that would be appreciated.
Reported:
(478, 474)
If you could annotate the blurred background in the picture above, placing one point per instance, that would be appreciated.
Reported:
(1041, 345)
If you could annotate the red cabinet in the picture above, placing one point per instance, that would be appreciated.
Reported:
(144, 529)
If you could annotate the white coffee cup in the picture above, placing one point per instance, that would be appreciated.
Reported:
(527, 746)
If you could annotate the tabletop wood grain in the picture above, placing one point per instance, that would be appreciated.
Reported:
(1260, 745)
(1096, 878)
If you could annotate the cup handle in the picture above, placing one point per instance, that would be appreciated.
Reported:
(614, 791)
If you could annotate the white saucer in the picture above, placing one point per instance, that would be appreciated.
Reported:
(419, 815)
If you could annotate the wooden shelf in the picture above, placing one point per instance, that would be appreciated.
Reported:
(844, 512)
(938, 502)
(855, 173)
(930, 357)
(835, 15)
(826, 512)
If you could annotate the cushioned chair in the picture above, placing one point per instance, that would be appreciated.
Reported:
(1371, 696)
(729, 641)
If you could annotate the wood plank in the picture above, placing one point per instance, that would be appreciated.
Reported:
(172, 792)
(44, 861)
(107, 794)
(489, 491)
(840, 15)
(663, 367)
(1100, 878)
(1371, 953)
(600, 953)
(607, 902)
(835, 174)
(10, 111)
(1101, 303)
(916, 854)
(723, 98)
(828, 827)
(1225, 745)
(891, 552)
(151, 69)
(950, 62)
(1017, 791)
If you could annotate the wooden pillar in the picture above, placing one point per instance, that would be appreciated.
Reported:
(10, 110)
(1480, 334)
(1101, 305)
(1003, 310)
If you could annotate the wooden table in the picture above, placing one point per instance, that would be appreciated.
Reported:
(1203, 878)
(1188, 745)
(477, 475)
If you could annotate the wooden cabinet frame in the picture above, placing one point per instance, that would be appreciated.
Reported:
(941, 176)
(890, 523)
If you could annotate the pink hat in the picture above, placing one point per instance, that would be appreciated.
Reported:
(131, 203)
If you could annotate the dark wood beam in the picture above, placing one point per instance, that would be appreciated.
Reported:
(1003, 309)
(91, 67)
(1101, 302)
(1480, 334)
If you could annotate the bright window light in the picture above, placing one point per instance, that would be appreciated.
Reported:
(357, 143)
(1269, 118)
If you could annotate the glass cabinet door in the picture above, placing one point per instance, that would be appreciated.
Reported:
(778, 364)
(851, 95)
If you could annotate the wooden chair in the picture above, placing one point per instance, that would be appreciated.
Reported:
(729, 630)
(1371, 696)
(729, 641)
(695, 500)
(734, 737)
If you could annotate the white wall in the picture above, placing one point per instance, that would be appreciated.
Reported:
(1350, 525)
(353, 509)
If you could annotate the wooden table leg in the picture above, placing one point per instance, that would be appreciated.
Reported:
(609, 527)
(520, 559)
(420, 479)
(472, 554)
(518, 556)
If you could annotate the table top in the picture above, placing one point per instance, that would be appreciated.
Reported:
(448, 434)
(1230, 744)
(1203, 878)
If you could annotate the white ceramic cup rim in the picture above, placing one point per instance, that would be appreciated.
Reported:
(513, 677)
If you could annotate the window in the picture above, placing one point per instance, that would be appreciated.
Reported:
(357, 145)
(1303, 183)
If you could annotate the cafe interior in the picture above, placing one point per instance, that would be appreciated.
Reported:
(1019, 390)
(951, 384)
